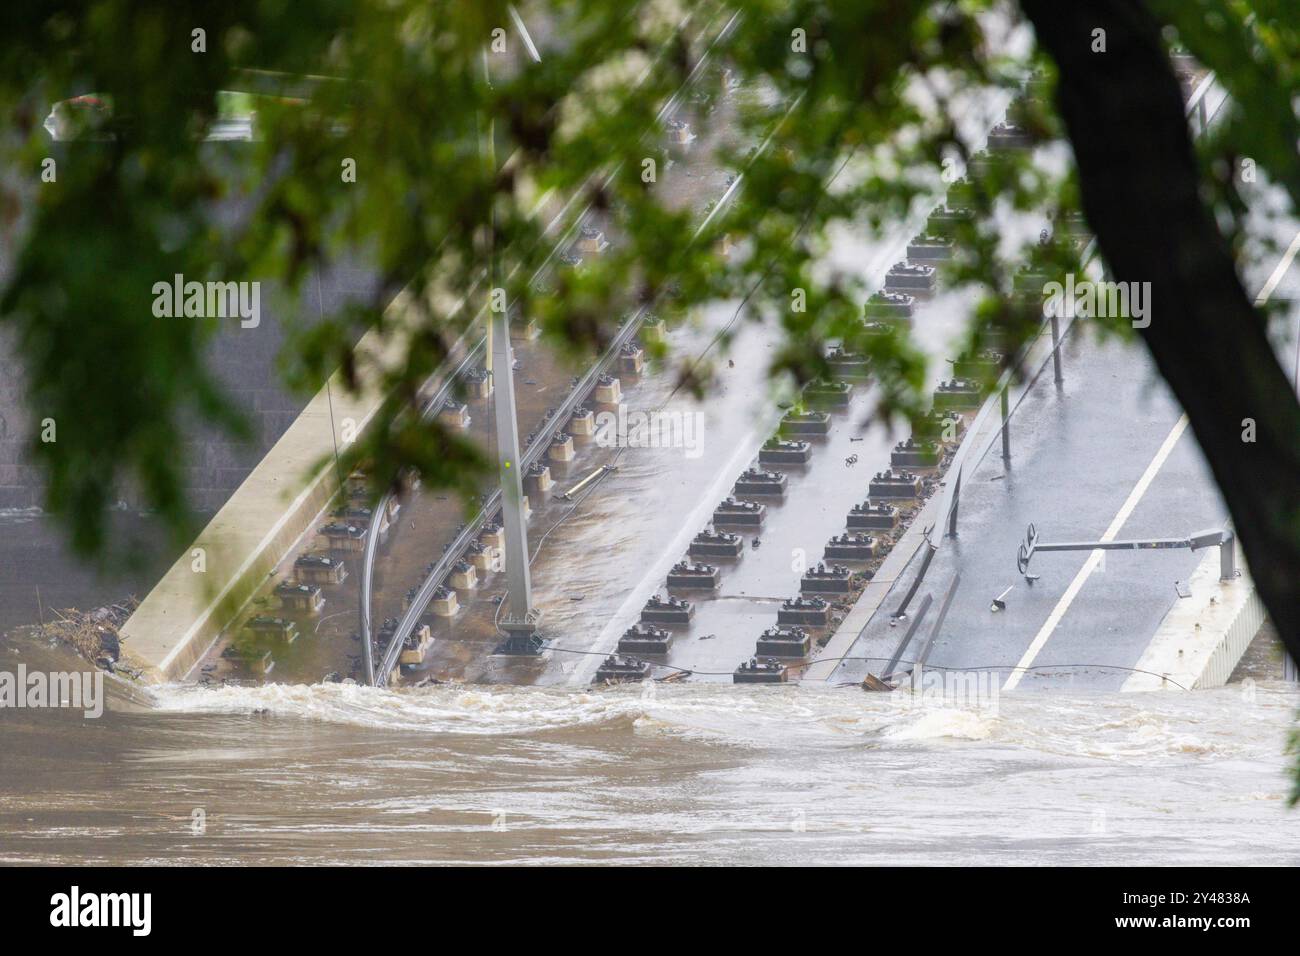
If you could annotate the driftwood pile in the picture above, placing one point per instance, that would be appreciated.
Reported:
(93, 634)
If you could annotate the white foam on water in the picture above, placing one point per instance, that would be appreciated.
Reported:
(463, 709)
(1107, 727)
(939, 722)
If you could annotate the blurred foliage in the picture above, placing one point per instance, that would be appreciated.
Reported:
(845, 118)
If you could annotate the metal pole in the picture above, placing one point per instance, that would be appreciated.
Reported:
(956, 501)
(1212, 538)
(1006, 426)
(1056, 350)
(520, 620)
(1228, 559)
(512, 486)
(901, 611)
(907, 638)
(923, 656)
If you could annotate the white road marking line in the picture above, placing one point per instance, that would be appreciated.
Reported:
(1090, 565)
(1279, 272)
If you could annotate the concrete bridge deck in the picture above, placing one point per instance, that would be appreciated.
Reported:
(1105, 449)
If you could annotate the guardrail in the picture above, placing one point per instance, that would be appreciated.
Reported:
(471, 360)
(473, 527)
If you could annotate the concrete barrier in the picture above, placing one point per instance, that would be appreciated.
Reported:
(1201, 638)
(280, 502)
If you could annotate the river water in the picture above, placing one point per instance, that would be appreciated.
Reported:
(690, 773)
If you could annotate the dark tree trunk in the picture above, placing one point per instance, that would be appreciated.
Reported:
(1125, 117)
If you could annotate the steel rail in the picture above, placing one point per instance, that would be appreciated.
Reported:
(471, 359)
(538, 447)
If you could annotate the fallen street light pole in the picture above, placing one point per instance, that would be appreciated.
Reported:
(1221, 538)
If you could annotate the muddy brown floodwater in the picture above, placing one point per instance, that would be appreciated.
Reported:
(696, 773)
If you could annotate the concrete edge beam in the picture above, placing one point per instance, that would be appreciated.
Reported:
(277, 505)
(1201, 638)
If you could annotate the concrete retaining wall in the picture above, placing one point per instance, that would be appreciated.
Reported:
(283, 499)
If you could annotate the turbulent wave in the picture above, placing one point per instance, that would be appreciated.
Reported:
(691, 773)
(1107, 726)
(440, 710)
(21, 513)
